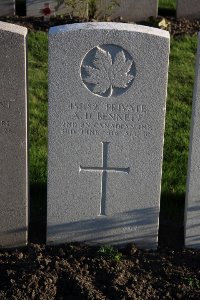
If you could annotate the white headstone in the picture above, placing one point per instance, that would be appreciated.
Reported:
(13, 136)
(128, 10)
(188, 9)
(107, 99)
(7, 8)
(37, 8)
(192, 209)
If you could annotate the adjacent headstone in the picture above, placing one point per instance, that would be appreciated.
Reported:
(192, 208)
(7, 7)
(107, 100)
(13, 136)
(188, 9)
(127, 10)
(55, 7)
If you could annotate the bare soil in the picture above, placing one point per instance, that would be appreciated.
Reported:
(175, 26)
(76, 271)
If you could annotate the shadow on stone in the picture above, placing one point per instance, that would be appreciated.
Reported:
(138, 225)
(171, 228)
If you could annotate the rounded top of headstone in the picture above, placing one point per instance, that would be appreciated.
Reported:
(109, 26)
(13, 28)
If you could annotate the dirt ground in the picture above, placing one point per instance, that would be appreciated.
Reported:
(77, 271)
(174, 26)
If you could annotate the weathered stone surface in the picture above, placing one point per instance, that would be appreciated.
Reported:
(13, 136)
(192, 207)
(35, 7)
(129, 10)
(107, 97)
(188, 9)
(7, 7)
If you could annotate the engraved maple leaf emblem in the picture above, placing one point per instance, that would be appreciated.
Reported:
(108, 73)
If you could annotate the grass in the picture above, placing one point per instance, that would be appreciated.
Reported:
(37, 58)
(180, 88)
(109, 252)
(167, 4)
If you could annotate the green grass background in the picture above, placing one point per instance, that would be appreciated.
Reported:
(169, 4)
(37, 79)
(180, 88)
(178, 117)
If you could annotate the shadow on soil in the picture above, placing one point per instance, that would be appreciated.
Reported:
(171, 229)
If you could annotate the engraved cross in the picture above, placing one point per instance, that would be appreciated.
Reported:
(104, 170)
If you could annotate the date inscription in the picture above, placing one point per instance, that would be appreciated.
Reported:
(107, 119)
